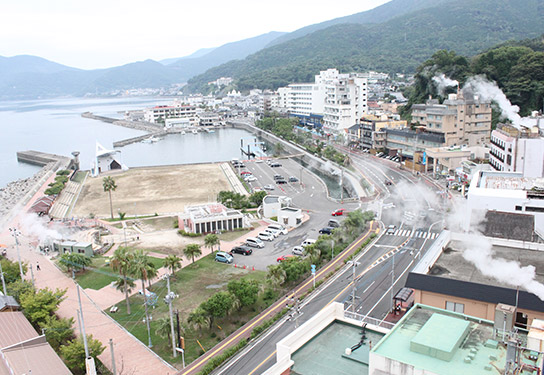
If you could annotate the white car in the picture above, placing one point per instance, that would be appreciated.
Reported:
(259, 161)
(265, 236)
(274, 233)
(268, 187)
(307, 242)
(298, 250)
(278, 227)
(251, 178)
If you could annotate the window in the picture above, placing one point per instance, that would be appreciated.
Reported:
(456, 307)
(534, 209)
(519, 208)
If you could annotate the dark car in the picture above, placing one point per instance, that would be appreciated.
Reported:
(293, 179)
(281, 182)
(388, 182)
(275, 165)
(244, 250)
(278, 177)
(326, 230)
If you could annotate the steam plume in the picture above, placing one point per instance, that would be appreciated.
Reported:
(480, 253)
(442, 83)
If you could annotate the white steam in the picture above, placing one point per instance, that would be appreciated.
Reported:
(34, 226)
(442, 83)
(479, 251)
(488, 90)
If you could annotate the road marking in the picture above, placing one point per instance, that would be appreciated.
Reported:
(262, 363)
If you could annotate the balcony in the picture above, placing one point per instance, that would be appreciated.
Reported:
(495, 143)
(496, 155)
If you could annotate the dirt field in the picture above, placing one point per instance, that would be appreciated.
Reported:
(146, 191)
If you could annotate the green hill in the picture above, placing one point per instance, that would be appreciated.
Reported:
(399, 44)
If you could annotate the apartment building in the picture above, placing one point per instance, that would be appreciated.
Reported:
(463, 118)
(369, 133)
(160, 113)
(517, 150)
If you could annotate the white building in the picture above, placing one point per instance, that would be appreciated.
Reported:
(340, 98)
(106, 160)
(272, 204)
(210, 218)
(223, 81)
(507, 192)
(177, 110)
(517, 150)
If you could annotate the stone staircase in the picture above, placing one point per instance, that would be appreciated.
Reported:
(65, 200)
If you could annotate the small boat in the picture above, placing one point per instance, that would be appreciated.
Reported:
(195, 131)
(211, 131)
(183, 132)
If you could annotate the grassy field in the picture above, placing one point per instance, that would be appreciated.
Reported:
(194, 284)
(100, 274)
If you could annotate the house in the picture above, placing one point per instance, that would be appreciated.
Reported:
(8, 303)
(65, 247)
(23, 351)
(290, 217)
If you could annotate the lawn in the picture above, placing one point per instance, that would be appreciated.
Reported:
(232, 235)
(100, 274)
(194, 284)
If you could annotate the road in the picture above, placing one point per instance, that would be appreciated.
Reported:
(376, 280)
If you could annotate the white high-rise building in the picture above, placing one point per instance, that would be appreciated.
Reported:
(340, 98)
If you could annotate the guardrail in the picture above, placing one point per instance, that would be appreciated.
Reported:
(368, 319)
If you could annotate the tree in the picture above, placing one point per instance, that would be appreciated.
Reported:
(199, 318)
(257, 197)
(38, 305)
(121, 282)
(73, 353)
(11, 270)
(163, 328)
(75, 262)
(19, 287)
(57, 330)
(173, 262)
(294, 268)
(218, 305)
(276, 275)
(152, 271)
(109, 185)
(314, 252)
(211, 240)
(122, 262)
(246, 291)
(192, 250)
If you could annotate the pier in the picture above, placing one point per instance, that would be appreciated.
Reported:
(138, 125)
(42, 159)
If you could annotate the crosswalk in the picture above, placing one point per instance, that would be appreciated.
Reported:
(414, 234)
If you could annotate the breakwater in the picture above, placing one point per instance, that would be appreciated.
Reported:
(138, 125)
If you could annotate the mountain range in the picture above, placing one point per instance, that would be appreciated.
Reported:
(394, 37)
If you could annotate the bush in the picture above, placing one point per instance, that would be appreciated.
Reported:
(63, 172)
(220, 359)
(183, 233)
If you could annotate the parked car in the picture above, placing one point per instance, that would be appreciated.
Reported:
(245, 172)
(250, 178)
(333, 223)
(268, 187)
(265, 236)
(278, 227)
(223, 257)
(244, 250)
(293, 179)
(307, 242)
(284, 257)
(298, 250)
(254, 242)
(338, 212)
(273, 232)
(274, 165)
(326, 230)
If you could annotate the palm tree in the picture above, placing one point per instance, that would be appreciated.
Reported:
(122, 262)
(199, 318)
(120, 283)
(163, 328)
(172, 262)
(313, 252)
(276, 275)
(140, 269)
(192, 250)
(211, 240)
(152, 272)
(109, 184)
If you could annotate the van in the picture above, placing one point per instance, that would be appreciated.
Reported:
(254, 242)
(278, 227)
(333, 223)
(307, 242)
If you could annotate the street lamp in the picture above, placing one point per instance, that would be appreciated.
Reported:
(353, 288)
(15, 233)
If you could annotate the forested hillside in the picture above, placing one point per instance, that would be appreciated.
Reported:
(400, 44)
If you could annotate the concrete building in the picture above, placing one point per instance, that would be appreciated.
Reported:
(517, 150)
(369, 133)
(65, 247)
(223, 81)
(209, 119)
(272, 204)
(290, 217)
(463, 118)
(210, 218)
(160, 113)
(507, 192)
(407, 142)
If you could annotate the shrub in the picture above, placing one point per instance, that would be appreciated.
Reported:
(183, 233)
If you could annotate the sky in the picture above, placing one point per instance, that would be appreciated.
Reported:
(105, 33)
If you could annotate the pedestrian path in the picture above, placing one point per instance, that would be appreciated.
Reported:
(234, 181)
(414, 234)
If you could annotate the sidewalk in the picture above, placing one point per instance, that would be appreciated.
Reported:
(130, 354)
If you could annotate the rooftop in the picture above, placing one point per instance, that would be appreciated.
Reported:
(443, 342)
(324, 354)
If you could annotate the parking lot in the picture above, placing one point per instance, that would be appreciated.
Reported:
(308, 193)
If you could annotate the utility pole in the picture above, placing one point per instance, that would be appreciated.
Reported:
(15, 233)
(342, 185)
(392, 280)
(113, 369)
(144, 291)
(332, 249)
(32, 275)
(89, 361)
(3, 281)
(168, 299)
(353, 287)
